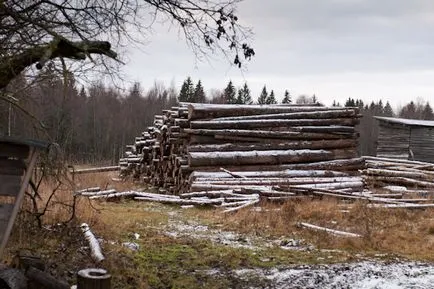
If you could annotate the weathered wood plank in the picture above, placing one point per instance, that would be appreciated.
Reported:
(11, 166)
(10, 185)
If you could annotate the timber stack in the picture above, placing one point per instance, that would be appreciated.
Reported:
(400, 176)
(209, 147)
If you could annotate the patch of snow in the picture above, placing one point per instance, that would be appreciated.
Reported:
(363, 275)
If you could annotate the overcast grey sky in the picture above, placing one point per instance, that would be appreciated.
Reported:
(369, 49)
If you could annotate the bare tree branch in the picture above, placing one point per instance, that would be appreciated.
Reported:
(35, 32)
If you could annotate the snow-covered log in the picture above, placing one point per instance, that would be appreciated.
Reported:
(331, 231)
(95, 249)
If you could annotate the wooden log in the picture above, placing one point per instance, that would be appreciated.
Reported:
(93, 278)
(241, 206)
(95, 249)
(203, 111)
(251, 134)
(100, 193)
(402, 206)
(331, 186)
(316, 144)
(400, 181)
(338, 113)
(268, 174)
(268, 123)
(275, 181)
(331, 231)
(204, 202)
(196, 159)
(97, 170)
(232, 174)
(396, 161)
(113, 195)
(335, 165)
(395, 173)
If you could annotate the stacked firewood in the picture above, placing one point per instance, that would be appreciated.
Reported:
(208, 147)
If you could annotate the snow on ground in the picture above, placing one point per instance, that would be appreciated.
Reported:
(358, 275)
(192, 229)
(362, 275)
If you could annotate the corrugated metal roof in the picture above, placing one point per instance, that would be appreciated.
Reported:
(410, 122)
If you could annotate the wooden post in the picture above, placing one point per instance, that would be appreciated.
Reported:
(93, 278)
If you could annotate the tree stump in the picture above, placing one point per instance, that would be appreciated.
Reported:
(93, 278)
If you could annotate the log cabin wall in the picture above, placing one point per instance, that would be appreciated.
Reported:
(422, 143)
(393, 140)
(405, 139)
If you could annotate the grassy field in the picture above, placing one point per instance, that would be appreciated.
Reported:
(190, 248)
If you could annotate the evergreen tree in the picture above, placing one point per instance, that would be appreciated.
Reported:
(229, 93)
(314, 99)
(380, 108)
(244, 96)
(187, 91)
(271, 99)
(336, 104)
(359, 103)
(409, 111)
(199, 94)
(350, 102)
(388, 111)
(263, 97)
(427, 113)
(287, 99)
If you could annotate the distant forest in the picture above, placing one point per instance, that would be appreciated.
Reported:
(94, 124)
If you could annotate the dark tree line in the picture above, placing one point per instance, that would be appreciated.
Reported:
(92, 124)
(231, 95)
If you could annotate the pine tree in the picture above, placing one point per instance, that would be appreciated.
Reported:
(314, 99)
(229, 93)
(388, 111)
(409, 111)
(350, 102)
(263, 97)
(427, 113)
(336, 104)
(187, 91)
(244, 96)
(199, 94)
(271, 99)
(287, 99)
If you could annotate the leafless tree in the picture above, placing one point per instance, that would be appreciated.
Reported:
(41, 31)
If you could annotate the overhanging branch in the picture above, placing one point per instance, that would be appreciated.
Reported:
(14, 65)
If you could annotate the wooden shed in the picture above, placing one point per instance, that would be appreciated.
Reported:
(401, 138)
(17, 160)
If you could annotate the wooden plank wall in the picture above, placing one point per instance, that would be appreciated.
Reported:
(422, 143)
(393, 141)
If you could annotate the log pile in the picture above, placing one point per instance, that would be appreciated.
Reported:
(207, 147)
(404, 178)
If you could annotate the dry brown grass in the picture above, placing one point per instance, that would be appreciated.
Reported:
(400, 232)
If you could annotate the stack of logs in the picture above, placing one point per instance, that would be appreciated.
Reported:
(401, 177)
(208, 147)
